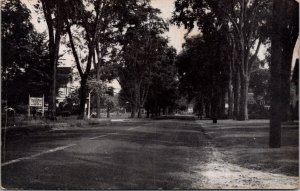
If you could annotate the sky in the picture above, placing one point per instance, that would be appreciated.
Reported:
(175, 34)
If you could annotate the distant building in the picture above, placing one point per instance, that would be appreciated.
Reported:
(64, 83)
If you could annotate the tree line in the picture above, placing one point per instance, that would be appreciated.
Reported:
(224, 56)
(123, 40)
(109, 39)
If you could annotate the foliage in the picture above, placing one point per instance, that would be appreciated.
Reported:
(203, 69)
(163, 91)
(24, 56)
(142, 47)
(243, 21)
(259, 83)
(100, 90)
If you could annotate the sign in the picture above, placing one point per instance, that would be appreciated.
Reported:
(36, 102)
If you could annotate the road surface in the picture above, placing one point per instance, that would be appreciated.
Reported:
(136, 155)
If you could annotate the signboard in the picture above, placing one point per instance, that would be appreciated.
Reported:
(36, 102)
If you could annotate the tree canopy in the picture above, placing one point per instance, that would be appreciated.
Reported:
(25, 64)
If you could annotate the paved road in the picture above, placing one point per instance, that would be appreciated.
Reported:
(137, 155)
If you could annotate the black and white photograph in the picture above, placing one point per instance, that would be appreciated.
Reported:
(149, 94)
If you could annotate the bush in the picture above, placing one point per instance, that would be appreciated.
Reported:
(65, 113)
(258, 112)
(21, 109)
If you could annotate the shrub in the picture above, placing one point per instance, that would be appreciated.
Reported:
(258, 112)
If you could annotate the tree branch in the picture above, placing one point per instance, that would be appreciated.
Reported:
(251, 61)
(74, 49)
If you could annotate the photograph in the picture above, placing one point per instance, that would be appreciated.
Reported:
(149, 94)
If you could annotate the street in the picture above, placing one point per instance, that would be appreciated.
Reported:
(136, 155)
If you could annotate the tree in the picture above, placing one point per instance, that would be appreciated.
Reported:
(163, 91)
(141, 47)
(289, 37)
(203, 72)
(106, 51)
(53, 15)
(88, 24)
(100, 91)
(259, 83)
(24, 56)
(244, 19)
(280, 53)
(93, 20)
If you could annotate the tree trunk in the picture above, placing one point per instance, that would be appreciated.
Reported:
(275, 68)
(286, 85)
(139, 112)
(214, 109)
(98, 105)
(108, 112)
(133, 110)
(285, 90)
(243, 115)
(52, 104)
(98, 99)
(284, 36)
(82, 96)
(54, 44)
(236, 92)
(215, 101)
(201, 107)
(137, 98)
(208, 110)
(222, 104)
(230, 96)
(243, 69)
(291, 18)
(230, 101)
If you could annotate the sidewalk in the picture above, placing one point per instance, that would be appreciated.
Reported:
(242, 159)
(39, 126)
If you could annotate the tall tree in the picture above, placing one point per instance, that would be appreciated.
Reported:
(84, 24)
(24, 55)
(53, 15)
(244, 18)
(203, 72)
(93, 20)
(105, 51)
(280, 54)
(289, 37)
(163, 90)
(141, 49)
